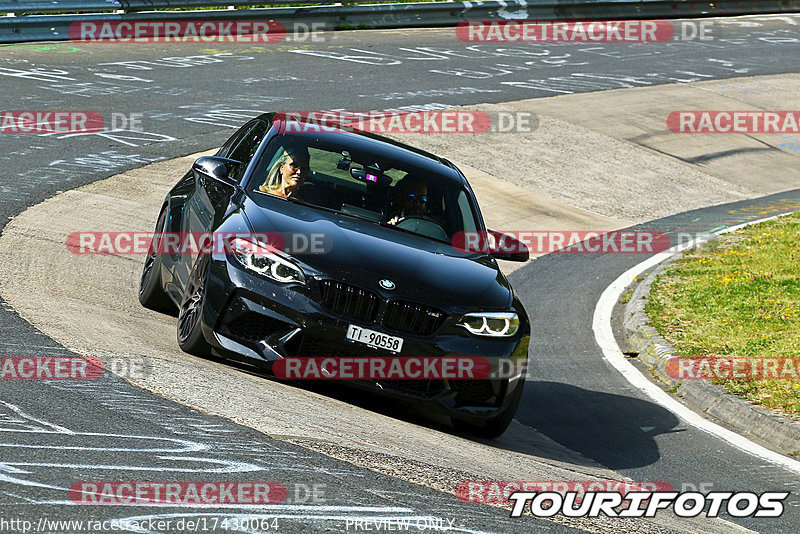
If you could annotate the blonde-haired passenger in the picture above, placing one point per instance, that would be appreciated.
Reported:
(288, 173)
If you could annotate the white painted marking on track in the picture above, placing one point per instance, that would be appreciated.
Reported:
(23, 482)
(604, 335)
(16, 409)
(228, 466)
(187, 446)
(27, 346)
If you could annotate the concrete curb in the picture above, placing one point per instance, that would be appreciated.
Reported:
(771, 429)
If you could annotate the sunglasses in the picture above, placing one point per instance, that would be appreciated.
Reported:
(297, 165)
(412, 197)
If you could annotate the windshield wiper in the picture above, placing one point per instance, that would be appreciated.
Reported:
(394, 226)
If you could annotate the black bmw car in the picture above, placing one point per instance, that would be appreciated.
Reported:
(339, 243)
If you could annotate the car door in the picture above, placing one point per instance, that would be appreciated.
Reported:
(210, 198)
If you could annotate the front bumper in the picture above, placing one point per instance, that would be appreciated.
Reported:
(249, 316)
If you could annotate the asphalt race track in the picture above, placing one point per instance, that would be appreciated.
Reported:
(191, 98)
(648, 441)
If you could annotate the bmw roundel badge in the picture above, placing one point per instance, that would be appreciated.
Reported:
(387, 284)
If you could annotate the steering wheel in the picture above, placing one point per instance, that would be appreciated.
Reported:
(424, 225)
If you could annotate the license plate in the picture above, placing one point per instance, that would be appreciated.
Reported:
(374, 339)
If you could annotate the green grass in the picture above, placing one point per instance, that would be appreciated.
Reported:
(626, 297)
(737, 296)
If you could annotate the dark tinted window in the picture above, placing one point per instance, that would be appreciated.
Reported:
(235, 139)
(247, 147)
(363, 185)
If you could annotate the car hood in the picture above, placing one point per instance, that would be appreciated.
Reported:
(363, 253)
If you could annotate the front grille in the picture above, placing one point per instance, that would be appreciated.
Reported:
(254, 327)
(349, 301)
(412, 318)
(362, 305)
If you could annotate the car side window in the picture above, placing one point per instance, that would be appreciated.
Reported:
(235, 139)
(247, 147)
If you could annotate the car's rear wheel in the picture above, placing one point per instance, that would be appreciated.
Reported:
(190, 331)
(498, 424)
(151, 294)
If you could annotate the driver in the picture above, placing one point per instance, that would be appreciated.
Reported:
(411, 196)
(288, 173)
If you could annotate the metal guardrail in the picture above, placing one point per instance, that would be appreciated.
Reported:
(401, 15)
(94, 6)
(56, 6)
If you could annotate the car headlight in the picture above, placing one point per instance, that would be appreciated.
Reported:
(491, 324)
(264, 260)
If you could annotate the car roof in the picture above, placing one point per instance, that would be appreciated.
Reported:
(382, 147)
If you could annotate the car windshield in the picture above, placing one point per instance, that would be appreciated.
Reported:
(364, 186)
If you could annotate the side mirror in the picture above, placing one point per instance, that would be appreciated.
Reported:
(507, 247)
(217, 168)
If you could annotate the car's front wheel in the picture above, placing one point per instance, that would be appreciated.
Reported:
(498, 424)
(190, 331)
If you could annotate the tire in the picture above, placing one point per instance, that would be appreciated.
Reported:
(151, 294)
(190, 332)
(498, 424)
